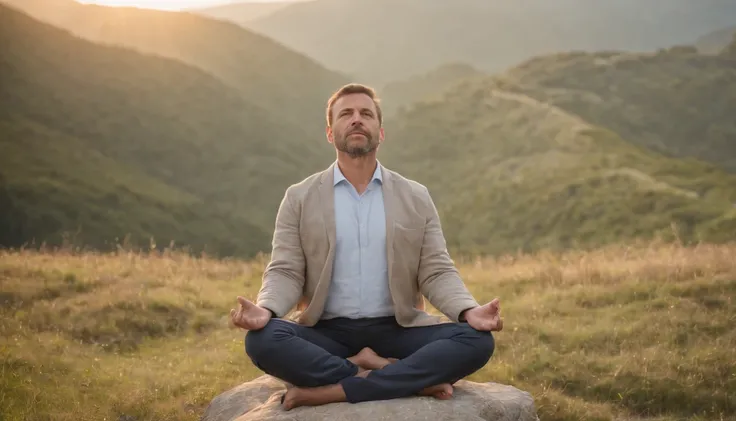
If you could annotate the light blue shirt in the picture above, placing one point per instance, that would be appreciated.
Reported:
(359, 286)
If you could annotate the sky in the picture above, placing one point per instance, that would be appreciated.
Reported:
(165, 4)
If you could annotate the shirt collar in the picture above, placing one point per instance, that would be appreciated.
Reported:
(338, 175)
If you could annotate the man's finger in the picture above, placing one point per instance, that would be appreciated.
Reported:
(245, 304)
(495, 305)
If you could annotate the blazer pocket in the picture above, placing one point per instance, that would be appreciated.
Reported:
(407, 250)
(408, 235)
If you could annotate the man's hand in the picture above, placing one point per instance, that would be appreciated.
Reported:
(249, 316)
(486, 317)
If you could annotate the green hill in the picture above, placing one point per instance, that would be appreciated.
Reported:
(511, 173)
(285, 83)
(404, 92)
(103, 142)
(678, 101)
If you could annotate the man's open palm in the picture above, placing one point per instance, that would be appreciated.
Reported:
(486, 317)
(249, 316)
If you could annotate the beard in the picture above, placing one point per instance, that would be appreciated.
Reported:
(354, 150)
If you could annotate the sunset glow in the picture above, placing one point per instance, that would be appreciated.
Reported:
(158, 4)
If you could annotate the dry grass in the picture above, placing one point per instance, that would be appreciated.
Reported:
(619, 333)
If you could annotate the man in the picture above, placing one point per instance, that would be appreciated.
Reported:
(356, 248)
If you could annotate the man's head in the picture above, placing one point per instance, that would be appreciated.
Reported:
(354, 120)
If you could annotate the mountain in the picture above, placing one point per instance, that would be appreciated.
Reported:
(285, 83)
(407, 91)
(102, 141)
(510, 172)
(714, 42)
(678, 102)
(402, 38)
(242, 13)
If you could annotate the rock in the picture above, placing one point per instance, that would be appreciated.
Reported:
(259, 400)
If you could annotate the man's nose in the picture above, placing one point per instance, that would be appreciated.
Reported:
(355, 119)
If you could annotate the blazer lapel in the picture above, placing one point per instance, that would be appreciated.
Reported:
(327, 202)
(389, 204)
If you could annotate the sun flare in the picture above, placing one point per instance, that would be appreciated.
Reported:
(157, 4)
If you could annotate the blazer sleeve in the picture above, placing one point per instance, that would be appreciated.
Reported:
(283, 278)
(439, 279)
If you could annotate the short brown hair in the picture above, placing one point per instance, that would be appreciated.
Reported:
(353, 88)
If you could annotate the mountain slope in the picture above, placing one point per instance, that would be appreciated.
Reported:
(118, 142)
(404, 92)
(416, 36)
(678, 101)
(242, 13)
(287, 84)
(511, 173)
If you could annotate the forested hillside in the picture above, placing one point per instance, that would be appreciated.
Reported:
(292, 86)
(563, 150)
(678, 102)
(402, 93)
(509, 172)
(102, 142)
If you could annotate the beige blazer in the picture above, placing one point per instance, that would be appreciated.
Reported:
(419, 265)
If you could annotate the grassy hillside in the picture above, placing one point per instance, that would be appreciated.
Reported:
(294, 88)
(509, 172)
(113, 142)
(402, 93)
(622, 333)
(416, 36)
(678, 102)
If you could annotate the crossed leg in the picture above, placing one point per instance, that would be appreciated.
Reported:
(367, 359)
(427, 361)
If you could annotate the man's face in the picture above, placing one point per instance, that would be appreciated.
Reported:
(355, 127)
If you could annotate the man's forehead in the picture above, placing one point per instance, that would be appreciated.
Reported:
(358, 100)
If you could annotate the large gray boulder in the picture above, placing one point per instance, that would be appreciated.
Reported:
(259, 400)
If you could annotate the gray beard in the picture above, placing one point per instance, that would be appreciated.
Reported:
(354, 151)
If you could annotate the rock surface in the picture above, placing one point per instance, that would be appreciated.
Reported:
(259, 400)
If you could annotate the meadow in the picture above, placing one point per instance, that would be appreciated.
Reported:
(628, 332)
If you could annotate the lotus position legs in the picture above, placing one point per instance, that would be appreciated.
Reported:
(343, 360)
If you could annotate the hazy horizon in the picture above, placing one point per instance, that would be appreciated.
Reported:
(172, 4)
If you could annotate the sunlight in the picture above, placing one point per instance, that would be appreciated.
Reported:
(157, 4)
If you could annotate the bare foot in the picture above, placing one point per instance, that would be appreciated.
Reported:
(292, 398)
(367, 359)
(441, 391)
(313, 396)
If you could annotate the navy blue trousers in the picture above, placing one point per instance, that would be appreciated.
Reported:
(316, 356)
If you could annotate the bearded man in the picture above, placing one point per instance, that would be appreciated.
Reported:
(356, 248)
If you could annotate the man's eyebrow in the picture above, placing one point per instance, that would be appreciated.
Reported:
(351, 109)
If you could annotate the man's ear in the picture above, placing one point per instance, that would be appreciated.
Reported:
(330, 135)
